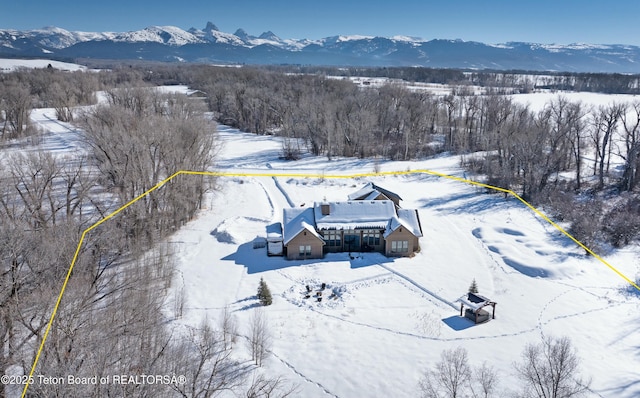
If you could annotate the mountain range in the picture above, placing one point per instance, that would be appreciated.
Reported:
(210, 45)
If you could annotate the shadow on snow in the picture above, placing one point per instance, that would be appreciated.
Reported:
(458, 323)
(256, 260)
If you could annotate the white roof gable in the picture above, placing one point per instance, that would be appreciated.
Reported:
(296, 220)
(407, 218)
(410, 219)
(371, 191)
(364, 191)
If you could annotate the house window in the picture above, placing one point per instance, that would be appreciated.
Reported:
(305, 250)
(351, 239)
(371, 237)
(332, 238)
(399, 246)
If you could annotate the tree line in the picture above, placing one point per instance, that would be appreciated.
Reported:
(567, 156)
(511, 80)
(551, 157)
(549, 369)
(112, 318)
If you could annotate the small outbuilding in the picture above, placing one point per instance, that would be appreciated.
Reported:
(474, 310)
(274, 239)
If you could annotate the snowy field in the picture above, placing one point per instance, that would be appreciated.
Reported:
(537, 101)
(9, 65)
(392, 317)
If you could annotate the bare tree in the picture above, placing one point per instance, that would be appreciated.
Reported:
(484, 381)
(631, 124)
(141, 139)
(604, 124)
(16, 107)
(229, 327)
(207, 362)
(263, 387)
(259, 336)
(63, 95)
(567, 127)
(451, 105)
(450, 378)
(551, 370)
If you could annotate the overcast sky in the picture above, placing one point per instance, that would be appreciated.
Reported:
(498, 21)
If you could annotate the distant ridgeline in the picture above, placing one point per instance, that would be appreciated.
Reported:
(212, 46)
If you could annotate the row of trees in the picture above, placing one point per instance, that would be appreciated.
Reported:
(24, 90)
(545, 155)
(550, 369)
(112, 317)
(140, 137)
(337, 118)
(560, 156)
(502, 81)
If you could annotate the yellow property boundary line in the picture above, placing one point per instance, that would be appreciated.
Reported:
(297, 175)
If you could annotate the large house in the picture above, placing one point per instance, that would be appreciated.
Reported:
(371, 220)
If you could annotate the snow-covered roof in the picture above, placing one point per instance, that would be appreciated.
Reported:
(352, 214)
(363, 192)
(296, 220)
(474, 301)
(371, 191)
(274, 232)
(407, 218)
(372, 195)
(374, 214)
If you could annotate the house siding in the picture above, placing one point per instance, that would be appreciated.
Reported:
(401, 234)
(293, 247)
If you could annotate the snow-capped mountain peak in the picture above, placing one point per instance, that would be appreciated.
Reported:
(162, 43)
(241, 33)
(170, 35)
(210, 26)
(269, 35)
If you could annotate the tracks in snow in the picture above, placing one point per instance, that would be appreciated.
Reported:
(60, 137)
(305, 378)
(420, 287)
(294, 370)
(538, 327)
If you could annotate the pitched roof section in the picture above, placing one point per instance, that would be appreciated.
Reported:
(407, 218)
(369, 189)
(355, 214)
(296, 220)
(411, 220)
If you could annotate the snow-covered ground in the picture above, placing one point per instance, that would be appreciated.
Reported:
(538, 100)
(391, 318)
(10, 64)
